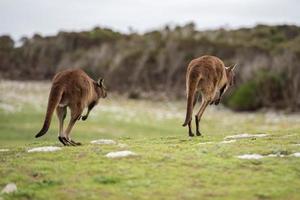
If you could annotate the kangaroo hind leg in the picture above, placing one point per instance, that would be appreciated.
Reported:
(75, 115)
(61, 113)
(202, 108)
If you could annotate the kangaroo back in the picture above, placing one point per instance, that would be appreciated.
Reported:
(54, 99)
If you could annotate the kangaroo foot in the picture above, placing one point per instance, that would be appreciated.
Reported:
(74, 143)
(63, 140)
(191, 134)
(198, 133)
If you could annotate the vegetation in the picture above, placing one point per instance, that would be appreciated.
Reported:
(169, 165)
(155, 62)
(245, 97)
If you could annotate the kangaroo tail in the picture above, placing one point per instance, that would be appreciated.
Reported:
(54, 98)
(191, 87)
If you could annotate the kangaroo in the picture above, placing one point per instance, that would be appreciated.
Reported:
(209, 76)
(71, 88)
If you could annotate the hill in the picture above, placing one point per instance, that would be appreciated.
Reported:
(154, 63)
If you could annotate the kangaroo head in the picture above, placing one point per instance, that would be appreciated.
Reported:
(101, 89)
(230, 75)
(230, 78)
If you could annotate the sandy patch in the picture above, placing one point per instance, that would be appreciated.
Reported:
(9, 188)
(120, 154)
(44, 149)
(103, 141)
(245, 135)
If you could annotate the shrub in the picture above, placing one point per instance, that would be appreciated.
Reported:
(264, 90)
(245, 97)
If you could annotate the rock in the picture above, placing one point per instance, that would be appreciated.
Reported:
(227, 141)
(9, 188)
(251, 156)
(297, 154)
(258, 156)
(120, 154)
(103, 141)
(275, 155)
(204, 143)
(245, 135)
(44, 149)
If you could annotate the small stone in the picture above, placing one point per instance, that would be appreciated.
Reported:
(103, 141)
(201, 143)
(44, 149)
(120, 154)
(245, 135)
(251, 156)
(275, 155)
(297, 154)
(227, 141)
(9, 188)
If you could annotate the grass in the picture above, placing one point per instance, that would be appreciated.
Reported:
(169, 165)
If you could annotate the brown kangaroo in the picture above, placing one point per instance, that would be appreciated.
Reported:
(209, 76)
(71, 88)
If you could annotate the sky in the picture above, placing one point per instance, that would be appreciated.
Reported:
(20, 18)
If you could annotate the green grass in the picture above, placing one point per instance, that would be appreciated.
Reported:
(169, 165)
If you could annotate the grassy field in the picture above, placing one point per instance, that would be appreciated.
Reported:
(169, 165)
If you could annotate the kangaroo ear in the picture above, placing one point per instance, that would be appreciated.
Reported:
(231, 68)
(100, 82)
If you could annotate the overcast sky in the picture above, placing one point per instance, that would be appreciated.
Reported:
(25, 17)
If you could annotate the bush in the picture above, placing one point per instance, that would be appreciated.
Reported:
(264, 90)
(245, 98)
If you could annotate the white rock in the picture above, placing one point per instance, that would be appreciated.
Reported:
(296, 144)
(103, 141)
(120, 154)
(44, 149)
(4, 150)
(275, 155)
(250, 156)
(297, 154)
(9, 188)
(245, 135)
(205, 143)
(227, 141)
